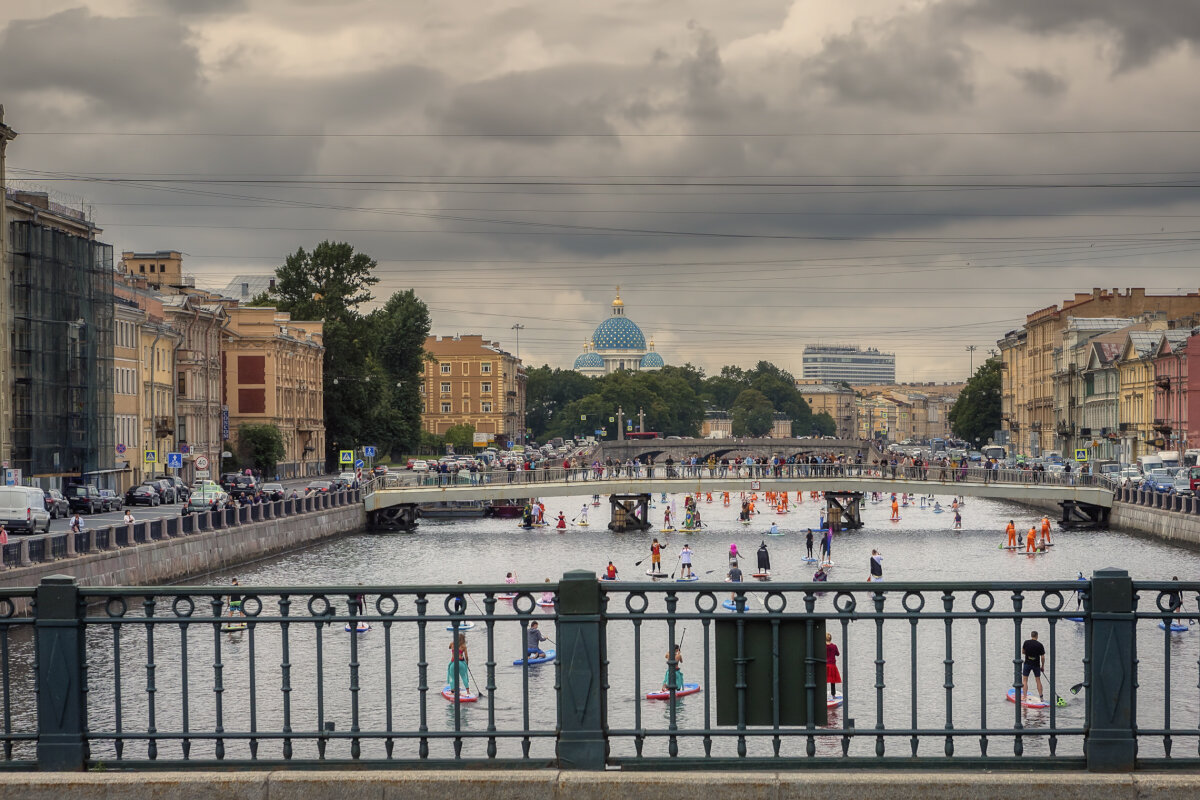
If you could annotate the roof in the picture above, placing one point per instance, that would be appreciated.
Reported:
(244, 287)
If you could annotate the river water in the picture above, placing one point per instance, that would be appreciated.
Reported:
(922, 546)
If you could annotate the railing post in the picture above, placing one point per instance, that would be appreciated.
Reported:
(61, 704)
(582, 721)
(1110, 745)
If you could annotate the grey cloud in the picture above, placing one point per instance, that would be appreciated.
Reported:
(1041, 82)
(198, 7)
(135, 65)
(1141, 31)
(912, 68)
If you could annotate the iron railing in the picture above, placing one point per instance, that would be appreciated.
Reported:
(142, 677)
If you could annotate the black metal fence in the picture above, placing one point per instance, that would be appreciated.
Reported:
(927, 673)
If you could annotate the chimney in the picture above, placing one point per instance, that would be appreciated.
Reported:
(272, 284)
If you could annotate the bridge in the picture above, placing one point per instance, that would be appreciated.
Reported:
(391, 501)
(703, 449)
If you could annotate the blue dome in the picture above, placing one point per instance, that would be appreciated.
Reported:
(589, 361)
(618, 333)
(652, 360)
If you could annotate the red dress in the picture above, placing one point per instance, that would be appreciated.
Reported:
(831, 671)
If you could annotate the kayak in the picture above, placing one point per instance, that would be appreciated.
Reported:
(538, 660)
(363, 627)
(1175, 627)
(465, 625)
(688, 688)
(464, 695)
(1029, 701)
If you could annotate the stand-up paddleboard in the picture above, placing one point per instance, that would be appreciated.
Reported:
(762, 576)
(732, 606)
(233, 627)
(834, 701)
(606, 578)
(939, 511)
(1175, 627)
(667, 530)
(546, 659)
(809, 560)
(744, 521)
(1029, 701)
(777, 533)
(1080, 619)
(826, 565)
(687, 579)
(657, 574)
(895, 519)
(506, 596)
(1010, 547)
(363, 627)
(1037, 553)
(465, 625)
(546, 605)
(464, 695)
(688, 688)
(583, 524)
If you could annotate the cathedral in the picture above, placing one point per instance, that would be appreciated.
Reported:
(617, 343)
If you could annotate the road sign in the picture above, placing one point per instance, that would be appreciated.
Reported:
(1081, 455)
(150, 457)
(120, 452)
(201, 463)
(185, 448)
(359, 464)
(174, 460)
(203, 473)
(345, 456)
(583, 417)
(369, 451)
(509, 446)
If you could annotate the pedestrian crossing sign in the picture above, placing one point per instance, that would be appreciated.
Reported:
(150, 457)
(346, 457)
(1081, 455)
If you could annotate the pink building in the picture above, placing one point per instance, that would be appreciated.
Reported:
(1173, 419)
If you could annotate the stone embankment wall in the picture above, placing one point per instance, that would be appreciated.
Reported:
(172, 549)
(1168, 517)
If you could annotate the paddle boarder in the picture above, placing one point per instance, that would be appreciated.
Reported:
(235, 599)
(610, 571)
(1035, 661)
(656, 557)
(1031, 540)
(666, 519)
(733, 554)
(764, 559)
(876, 566)
(1045, 531)
(685, 561)
(774, 528)
(533, 638)
(808, 542)
(1011, 531)
(957, 520)
(562, 521)
(459, 664)
(734, 576)
(667, 683)
(832, 676)
(895, 509)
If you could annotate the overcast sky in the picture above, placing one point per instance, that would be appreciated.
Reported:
(756, 175)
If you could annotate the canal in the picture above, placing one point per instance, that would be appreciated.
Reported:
(923, 545)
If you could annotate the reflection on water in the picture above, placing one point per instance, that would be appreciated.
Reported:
(205, 680)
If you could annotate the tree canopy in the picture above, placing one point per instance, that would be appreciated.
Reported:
(976, 413)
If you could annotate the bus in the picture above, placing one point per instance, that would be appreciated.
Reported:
(995, 451)
(643, 435)
(937, 445)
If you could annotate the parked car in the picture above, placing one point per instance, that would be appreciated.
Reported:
(1159, 480)
(273, 491)
(1182, 483)
(203, 500)
(243, 486)
(420, 466)
(142, 495)
(83, 498)
(181, 489)
(160, 488)
(56, 505)
(22, 509)
(318, 486)
(112, 500)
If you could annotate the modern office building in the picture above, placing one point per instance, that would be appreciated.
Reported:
(854, 365)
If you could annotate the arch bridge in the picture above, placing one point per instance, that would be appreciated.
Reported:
(1085, 500)
(678, 449)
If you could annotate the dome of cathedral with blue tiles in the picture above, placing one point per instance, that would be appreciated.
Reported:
(651, 360)
(619, 333)
(589, 361)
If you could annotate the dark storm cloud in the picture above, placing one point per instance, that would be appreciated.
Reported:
(134, 65)
(198, 7)
(1140, 31)
(904, 66)
(1041, 82)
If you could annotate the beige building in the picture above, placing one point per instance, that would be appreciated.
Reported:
(471, 381)
(157, 343)
(836, 400)
(197, 377)
(161, 270)
(1028, 357)
(273, 374)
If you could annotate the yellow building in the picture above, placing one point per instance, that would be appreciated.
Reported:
(877, 416)
(128, 321)
(273, 374)
(1135, 403)
(157, 343)
(199, 323)
(162, 270)
(470, 381)
(835, 400)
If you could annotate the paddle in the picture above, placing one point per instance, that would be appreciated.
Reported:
(677, 563)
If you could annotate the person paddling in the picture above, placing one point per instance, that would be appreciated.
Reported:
(832, 676)
(876, 566)
(677, 684)
(1031, 540)
(764, 559)
(774, 528)
(656, 557)
(1034, 655)
(1045, 531)
(562, 521)
(610, 572)
(533, 638)
(1011, 531)
(808, 542)
(685, 561)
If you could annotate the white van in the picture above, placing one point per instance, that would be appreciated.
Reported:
(1169, 458)
(23, 509)
(1147, 463)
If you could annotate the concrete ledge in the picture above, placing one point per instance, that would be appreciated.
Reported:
(467, 784)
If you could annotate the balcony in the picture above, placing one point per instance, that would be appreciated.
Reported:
(164, 426)
(1163, 382)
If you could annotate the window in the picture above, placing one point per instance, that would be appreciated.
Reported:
(466, 389)
(466, 368)
(424, 407)
(485, 368)
(445, 368)
(445, 387)
(485, 387)
(182, 386)
(466, 407)
(142, 268)
(445, 408)
(485, 407)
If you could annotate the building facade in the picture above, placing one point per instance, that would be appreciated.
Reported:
(161, 270)
(199, 325)
(617, 344)
(838, 401)
(60, 304)
(128, 320)
(273, 374)
(1171, 389)
(471, 381)
(7, 134)
(854, 365)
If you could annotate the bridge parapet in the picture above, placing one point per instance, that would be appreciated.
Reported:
(678, 449)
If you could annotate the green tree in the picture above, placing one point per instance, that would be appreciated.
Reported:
(330, 283)
(462, 437)
(752, 414)
(547, 393)
(431, 444)
(260, 445)
(976, 412)
(399, 328)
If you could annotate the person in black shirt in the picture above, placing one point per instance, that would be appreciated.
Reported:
(1035, 662)
(734, 576)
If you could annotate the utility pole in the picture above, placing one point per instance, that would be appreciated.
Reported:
(641, 420)
(518, 328)
(7, 134)
(971, 349)
(620, 424)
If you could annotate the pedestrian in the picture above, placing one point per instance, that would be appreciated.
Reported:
(3, 536)
(1034, 661)
(876, 566)
(832, 676)
(128, 518)
(76, 523)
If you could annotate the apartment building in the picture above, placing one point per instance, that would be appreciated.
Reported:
(472, 381)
